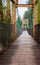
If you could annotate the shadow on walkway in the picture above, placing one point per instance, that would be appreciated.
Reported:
(7, 56)
(36, 54)
(23, 52)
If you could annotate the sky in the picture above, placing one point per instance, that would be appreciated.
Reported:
(21, 10)
(22, 1)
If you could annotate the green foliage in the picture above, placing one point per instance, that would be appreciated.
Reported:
(1, 11)
(19, 22)
(38, 9)
(29, 15)
(26, 15)
(5, 32)
(29, 1)
(5, 26)
(36, 1)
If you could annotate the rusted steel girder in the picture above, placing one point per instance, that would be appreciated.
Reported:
(15, 1)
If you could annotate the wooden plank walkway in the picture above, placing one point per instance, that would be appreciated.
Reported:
(23, 51)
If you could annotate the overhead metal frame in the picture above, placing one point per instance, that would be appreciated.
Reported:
(22, 5)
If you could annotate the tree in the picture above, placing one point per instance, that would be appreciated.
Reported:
(38, 9)
(8, 11)
(4, 2)
(19, 22)
(29, 1)
(29, 15)
(1, 11)
(5, 32)
(26, 15)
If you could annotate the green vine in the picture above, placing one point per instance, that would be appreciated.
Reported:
(38, 9)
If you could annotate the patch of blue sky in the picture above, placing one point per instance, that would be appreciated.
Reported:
(21, 11)
(22, 1)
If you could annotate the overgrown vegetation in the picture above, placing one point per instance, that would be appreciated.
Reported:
(29, 15)
(38, 9)
(5, 26)
(19, 22)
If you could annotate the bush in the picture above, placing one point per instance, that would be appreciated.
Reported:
(5, 33)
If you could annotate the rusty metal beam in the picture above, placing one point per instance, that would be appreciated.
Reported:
(15, 1)
(24, 5)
